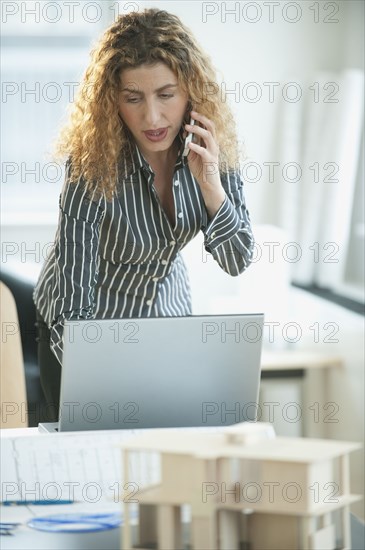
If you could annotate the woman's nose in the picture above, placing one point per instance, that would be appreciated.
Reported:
(152, 116)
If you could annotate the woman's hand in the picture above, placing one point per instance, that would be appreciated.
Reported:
(203, 161)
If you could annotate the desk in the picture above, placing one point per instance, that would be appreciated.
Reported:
(29, 539)
(285, 363)
(297, 368)
(48, 467)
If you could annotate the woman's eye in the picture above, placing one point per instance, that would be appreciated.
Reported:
(136, 99)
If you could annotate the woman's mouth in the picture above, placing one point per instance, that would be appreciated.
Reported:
(156, 135)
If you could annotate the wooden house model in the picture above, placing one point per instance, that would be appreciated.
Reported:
(246, 489)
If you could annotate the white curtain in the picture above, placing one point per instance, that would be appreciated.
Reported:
(322, 133)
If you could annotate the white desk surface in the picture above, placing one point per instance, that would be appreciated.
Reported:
(26, 538)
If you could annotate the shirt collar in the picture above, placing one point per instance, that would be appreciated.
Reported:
(140, 163)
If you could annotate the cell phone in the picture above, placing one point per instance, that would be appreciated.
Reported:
(188, 139)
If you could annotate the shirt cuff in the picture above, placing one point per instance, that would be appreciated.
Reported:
(222, 227)
(57, 330)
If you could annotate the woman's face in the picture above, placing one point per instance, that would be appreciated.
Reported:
(153, 106)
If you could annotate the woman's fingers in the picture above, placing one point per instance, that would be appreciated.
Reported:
(207, 134)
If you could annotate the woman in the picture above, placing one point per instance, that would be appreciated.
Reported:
(131, 201)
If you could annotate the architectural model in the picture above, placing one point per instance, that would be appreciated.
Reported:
(245, 488)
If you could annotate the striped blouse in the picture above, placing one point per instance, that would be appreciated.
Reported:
(121, 258)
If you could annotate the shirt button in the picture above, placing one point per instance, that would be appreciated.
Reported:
(164, 262)
(176, 183)
(180, 215)
(213, 235)
(155, 279)
(172, 243)
(149, 302)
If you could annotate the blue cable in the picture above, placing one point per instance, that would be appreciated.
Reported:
(76, 523)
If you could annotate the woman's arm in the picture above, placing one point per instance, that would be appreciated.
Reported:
(76, 266)
(228, 235)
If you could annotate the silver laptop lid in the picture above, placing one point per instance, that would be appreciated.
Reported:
(160, 372)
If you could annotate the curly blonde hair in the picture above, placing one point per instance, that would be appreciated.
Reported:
(95, 138)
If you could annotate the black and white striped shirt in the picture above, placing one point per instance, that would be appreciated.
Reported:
(120, 259)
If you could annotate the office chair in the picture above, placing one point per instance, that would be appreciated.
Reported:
(13, 399)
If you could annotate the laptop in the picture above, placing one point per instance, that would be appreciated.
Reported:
(165, 372)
